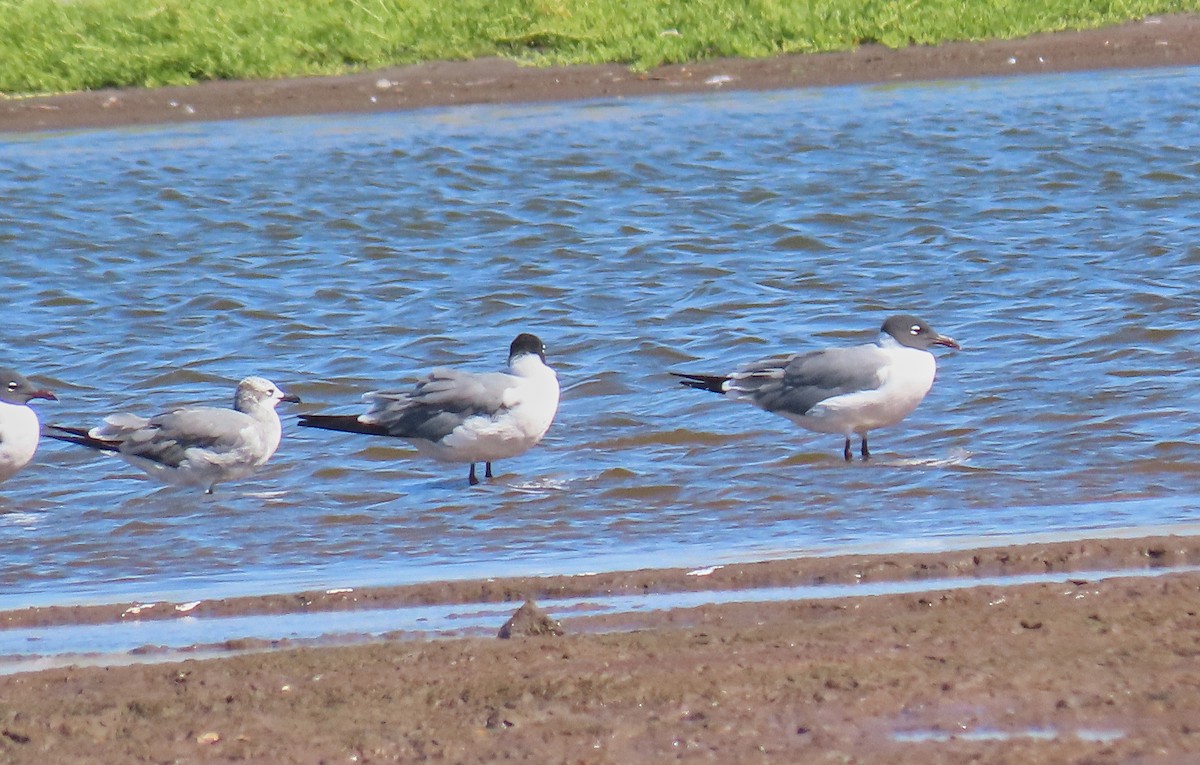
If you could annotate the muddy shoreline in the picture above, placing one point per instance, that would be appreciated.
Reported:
(1089, 555)
(1154, 42)
(1081, 671)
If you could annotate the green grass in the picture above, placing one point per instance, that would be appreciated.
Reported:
(51, 46)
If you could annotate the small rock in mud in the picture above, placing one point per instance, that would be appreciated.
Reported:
(529, 620)
(149, 649)
(497, 720)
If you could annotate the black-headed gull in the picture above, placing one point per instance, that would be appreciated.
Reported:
(194, 446)
(841, 390)
(19, 428)
(458, 416)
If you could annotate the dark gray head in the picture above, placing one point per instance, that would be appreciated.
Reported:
(915, 333)
(254, 390)
(527, 343)
(15, 389)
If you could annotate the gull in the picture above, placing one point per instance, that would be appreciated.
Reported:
(194, 446)
(19, 428)
(840, 390)
(458, 416)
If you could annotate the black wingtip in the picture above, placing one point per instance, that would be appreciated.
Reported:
(343, 423)
(711, 383)
(80, 436)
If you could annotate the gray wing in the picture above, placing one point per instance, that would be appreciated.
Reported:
(439, 403)
(796, 383)
(166, 438)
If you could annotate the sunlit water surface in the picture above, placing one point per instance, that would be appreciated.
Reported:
(1049, 223)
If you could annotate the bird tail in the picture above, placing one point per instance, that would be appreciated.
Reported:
(80, 436)
(346, 423)
(712, 383)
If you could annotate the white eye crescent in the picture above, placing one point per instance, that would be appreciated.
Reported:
(915, 329)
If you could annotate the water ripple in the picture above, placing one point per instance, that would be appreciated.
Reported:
(1048, 223)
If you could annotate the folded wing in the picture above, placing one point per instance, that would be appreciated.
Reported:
(432, 410)
(796, 383)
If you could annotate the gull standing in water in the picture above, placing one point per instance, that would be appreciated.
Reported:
(19, 427)
(840, 390)
(458, 416)
(194, 446)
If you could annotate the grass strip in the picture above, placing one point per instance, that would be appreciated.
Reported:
(51, 46)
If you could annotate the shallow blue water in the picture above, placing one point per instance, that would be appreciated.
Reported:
(1048, 223)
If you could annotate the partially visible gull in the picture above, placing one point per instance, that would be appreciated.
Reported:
(194, 446)
(841, 390)
(458, 416)
(19, 428)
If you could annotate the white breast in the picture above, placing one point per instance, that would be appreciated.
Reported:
(530, 406)
(19, 430)
(906, 379)
(270, 432)
(535, 401)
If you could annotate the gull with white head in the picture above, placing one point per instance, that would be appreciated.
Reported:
(194, 446)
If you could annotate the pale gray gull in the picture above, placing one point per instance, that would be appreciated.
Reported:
(19, 427)
(194, 446)
(841, 390)
(458, 416)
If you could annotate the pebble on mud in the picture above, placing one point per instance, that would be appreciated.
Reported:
(529, 620)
